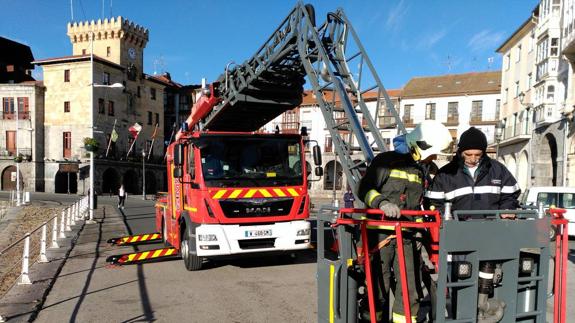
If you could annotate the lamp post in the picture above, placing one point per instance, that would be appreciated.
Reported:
(143, 174)
(499, 128)
(18, 200)
(92, 126)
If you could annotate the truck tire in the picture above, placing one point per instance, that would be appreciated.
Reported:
(187, 249)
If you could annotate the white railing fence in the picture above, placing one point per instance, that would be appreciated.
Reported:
(34, 243)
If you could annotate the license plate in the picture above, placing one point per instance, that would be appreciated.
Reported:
(257, 233)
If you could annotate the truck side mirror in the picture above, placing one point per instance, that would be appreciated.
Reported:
(178, 155)
(316, 155)
(318, 171)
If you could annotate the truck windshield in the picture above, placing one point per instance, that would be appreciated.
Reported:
(249, 161)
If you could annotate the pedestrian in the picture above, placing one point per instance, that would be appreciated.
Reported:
(348, 199)
(394, 180)
(122, 194)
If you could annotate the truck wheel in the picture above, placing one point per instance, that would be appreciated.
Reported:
(187, 246)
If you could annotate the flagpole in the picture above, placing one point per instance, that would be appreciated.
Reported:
(171, 136)
(153, 139)
(131, 146)
(111, 134)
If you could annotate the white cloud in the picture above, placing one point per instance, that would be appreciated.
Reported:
(429, 40)
(485, 40)
(396, 15)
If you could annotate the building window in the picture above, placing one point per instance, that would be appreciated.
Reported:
(328, 145)
(505, 95)
(23, 108)
(497, 108)
(150, 118)
(554, 47)
(158, 119)
(67, 144)
(407, 113)
(476, 110)
(101, 106)
(518, 52)
(517, 89)
(153, 93)
(67, 106)
(66, 75)
(430, 111)
(139, 92)
(551, 93)
(453, 112)
(83, 51)
(106, 78)
(108, 51)
(8, 108)
(529, 81)
(11, 142)
(111, 108)
(506, 61)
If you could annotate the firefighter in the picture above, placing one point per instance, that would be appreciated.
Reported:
(393, 181)
(473, 181)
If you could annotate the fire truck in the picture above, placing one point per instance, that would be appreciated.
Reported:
(221, 202)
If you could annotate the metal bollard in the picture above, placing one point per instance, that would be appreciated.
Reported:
(62, 224)
(55, 233)
(24, 278)
(68, 220)
(71, 215)
(43, 257)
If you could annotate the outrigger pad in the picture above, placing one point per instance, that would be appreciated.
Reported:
(138, 257)
(136, 239)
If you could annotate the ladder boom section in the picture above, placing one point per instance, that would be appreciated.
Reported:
(345, 84)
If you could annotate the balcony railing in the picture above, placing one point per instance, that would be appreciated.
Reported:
(545, 114)
(22, 115)
(484, 118)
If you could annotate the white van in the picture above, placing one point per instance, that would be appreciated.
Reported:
(559, 196)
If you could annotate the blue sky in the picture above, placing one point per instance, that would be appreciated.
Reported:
(193, 39)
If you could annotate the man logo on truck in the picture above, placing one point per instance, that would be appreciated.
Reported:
(258, 210)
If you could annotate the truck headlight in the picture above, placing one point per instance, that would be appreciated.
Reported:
(527, 265)
(207, 237)
(303, 232)
(464, 269)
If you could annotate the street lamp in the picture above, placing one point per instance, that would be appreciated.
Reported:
(499, 128)
(143, 174)
(92, 86)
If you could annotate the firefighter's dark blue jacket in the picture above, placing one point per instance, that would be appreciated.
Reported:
(494, 188)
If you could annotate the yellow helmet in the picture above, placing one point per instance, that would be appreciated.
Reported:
(429, 137)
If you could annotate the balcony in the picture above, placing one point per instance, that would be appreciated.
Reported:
(10, 153)
(484, 119)
(546, 114)
(452, 121)
(22, 115)
(387, 122)
(515, 134)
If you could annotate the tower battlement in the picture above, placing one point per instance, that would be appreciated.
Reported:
(108, 29)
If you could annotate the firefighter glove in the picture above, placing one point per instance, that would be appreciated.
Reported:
(391, 210)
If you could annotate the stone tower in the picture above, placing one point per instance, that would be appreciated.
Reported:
(117, 40)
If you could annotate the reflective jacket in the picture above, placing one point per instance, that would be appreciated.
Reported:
(494, 188)
(392, 177)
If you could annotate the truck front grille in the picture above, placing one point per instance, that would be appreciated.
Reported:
(257, 243)
(250, 208)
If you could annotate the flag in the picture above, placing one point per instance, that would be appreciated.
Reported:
(135, 129)
(114, 135)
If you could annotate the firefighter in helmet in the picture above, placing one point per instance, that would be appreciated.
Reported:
(395, 180)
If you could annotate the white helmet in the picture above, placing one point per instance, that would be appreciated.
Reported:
(430, 137)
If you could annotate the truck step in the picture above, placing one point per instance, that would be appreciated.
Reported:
(136, 239)
(142, 256)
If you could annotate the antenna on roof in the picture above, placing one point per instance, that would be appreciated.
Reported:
(159, 65)
(111, 5)
(448, 62)
(489, 62)
(72, 9)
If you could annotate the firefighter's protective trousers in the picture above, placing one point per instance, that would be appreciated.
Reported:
(384, 279)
